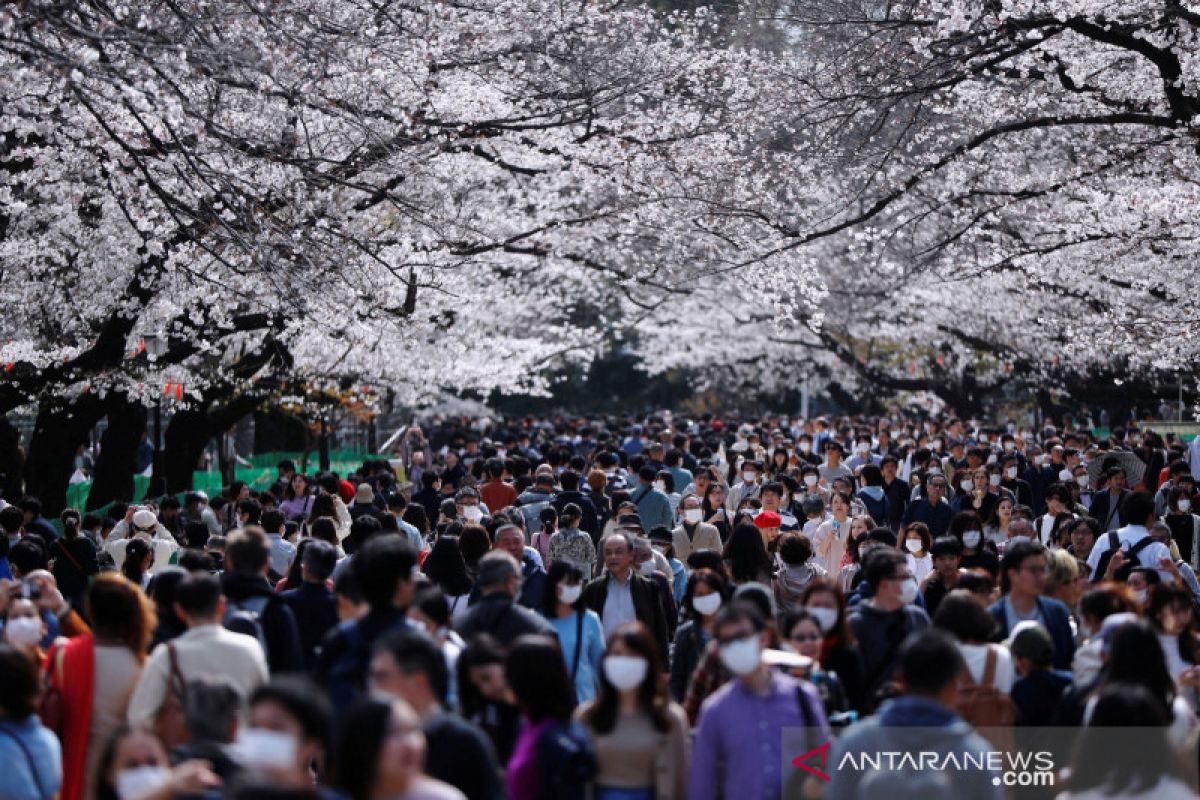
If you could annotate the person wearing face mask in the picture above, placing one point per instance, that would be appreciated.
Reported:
(744, 489)
(737, 749)
(882, 622)
(693, 533)
(639, 736)
(916, 545)
(1012, 483)
(580, 632)
(1183, 524)
(801, 634)
(706, 592)
(290, 716)
(1169, 612)
(134, 766)
(31, 753)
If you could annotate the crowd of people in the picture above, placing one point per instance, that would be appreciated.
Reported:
(625, 609)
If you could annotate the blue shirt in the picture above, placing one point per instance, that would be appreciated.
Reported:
(589, 657)
(38, 750)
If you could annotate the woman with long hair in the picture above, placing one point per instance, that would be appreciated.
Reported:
(74, 559)
(447, 568)
(639, 736)
(31, 765)
(484, 696)
(829, 539)
(474, 543)
(1169, 613)
(704, 596)
(747, 556)
(1105, 766)
(839, 654)
(552, 757)
(996, 529)
(580, 632)
(297, 498)
(715, 513)
(139, 557)
(95, 674)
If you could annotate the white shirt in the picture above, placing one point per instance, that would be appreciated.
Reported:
(201, 651)
(1128, 537)
(975, 656)
(920, 567)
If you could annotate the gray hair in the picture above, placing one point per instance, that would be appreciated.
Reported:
(1020, 527)
(210, 708)
(496, 567)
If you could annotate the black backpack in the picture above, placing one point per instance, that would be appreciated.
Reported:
(1131, 555)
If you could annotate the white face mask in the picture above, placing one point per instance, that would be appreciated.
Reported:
(992, 459)
(864, 447)
(692, 515)
(647, 567)
(141, 781)
(258, 747)
(569, 594)
(810, 480)
(936, 444)
(743, 656)
(1008, 447)
(1039, 460)
(1184, 504)
(825, 617)
(1140, 595)
(707, 605)
(625, 672)
(23, 631)
(1082, 480)
(1011, 472)
(472, 513)
(935, 470)
(912, 545)
(805, 447)
(908, 591)
(966, 484)
(971, 538)
(749, 475)
(994, 479)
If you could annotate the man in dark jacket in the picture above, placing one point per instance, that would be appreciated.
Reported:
(569, 480)
(1023, 579)
(932, 509)
(497, 612)
(312, 603)
(1107, 505)
(895, 490)
(621, 595)
(383, 569)
(253, 605)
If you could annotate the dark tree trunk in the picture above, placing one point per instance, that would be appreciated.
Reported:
(190, 430)
(118, 452)
(57, 434)
(11, 461)
(275, 430)
(183, 446)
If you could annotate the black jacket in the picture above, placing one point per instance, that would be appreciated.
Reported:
(590, 521)
(451, 744)
(316, 612)
(498, 615)
(278, 623)
(647, 607)
(1101, 509)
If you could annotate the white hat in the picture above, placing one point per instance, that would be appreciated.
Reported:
(144, 520)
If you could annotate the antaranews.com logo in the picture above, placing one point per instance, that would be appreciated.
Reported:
(904, 762)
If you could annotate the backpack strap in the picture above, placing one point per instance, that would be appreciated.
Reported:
(1139, 547)
(989, 668)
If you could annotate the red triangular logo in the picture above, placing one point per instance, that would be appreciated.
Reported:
(818, 770)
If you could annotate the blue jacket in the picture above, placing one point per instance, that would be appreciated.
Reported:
(653, 507)
(1055, 617)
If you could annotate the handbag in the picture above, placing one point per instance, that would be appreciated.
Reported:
(52, 708)
(171, 723)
